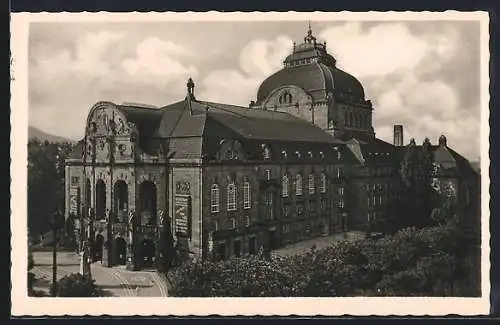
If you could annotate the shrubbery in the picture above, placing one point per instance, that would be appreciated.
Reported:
(77, 285)
(412, 262)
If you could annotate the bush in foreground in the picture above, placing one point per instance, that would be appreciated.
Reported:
(77, 285)
(413, 262)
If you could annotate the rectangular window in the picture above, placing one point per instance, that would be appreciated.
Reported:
(232, 223)
(323, 183)
(341, 203)
(214, 198)
(286, 228)
(323, 206)
(268, 174)
(246, 195)
(75, 180)
(341, 191)
(231, 197)
(312, 206)
(374, 200)
(300, 209)
(298, 185)
(270, 205)
(286, 211)
(369, 201)
(368, 217)
(311, 184)
(284, 185)
(380, 200)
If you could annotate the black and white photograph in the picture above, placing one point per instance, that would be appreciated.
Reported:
(263, 155)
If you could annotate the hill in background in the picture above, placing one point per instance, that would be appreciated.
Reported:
(34, 133)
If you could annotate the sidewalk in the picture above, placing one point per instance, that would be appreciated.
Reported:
(320, 242)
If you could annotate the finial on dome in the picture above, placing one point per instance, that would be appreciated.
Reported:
(309, 38)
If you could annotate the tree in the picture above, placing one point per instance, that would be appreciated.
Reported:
(45, 176)
(417, 195)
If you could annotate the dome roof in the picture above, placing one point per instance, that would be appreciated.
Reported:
(316, 78)
(310, 67)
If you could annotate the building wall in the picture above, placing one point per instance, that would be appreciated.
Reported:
(304, 213)
(185, 182)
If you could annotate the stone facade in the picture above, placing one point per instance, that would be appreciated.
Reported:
(300, 162)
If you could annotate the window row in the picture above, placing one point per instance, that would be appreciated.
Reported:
(299, 186)
(231, 197)
(298, 154)
(247, 194)
(374, 200)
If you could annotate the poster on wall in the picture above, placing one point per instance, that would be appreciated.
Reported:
(74, 199)
(183, 215)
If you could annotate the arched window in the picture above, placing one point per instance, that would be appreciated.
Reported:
(231, 197)
(215, 198)
(284, 186)
(322, 186)
(298, 185)
(311, 184)
(246, 195)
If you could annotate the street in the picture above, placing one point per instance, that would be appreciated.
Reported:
(115, 281)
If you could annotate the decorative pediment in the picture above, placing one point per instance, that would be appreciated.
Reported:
(231, 149)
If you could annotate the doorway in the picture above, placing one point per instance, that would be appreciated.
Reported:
(148, 251)
(98, 246)
(237, 248)
(120, 251)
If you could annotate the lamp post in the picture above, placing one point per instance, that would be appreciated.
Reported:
(55, 223)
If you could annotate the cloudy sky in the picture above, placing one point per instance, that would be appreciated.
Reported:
(424, 75)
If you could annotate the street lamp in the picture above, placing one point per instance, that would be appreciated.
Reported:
(56, 221)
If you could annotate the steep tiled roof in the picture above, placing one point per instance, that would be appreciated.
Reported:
(267, 125)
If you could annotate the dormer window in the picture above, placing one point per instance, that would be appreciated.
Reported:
(297, 153)
(266, 152)
(310, 154)
(322, 154)
(284, 154)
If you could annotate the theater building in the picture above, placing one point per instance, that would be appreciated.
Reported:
(300, 161)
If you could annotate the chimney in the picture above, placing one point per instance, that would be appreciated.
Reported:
(398, 135)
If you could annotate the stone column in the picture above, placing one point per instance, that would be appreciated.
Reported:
(131, 242)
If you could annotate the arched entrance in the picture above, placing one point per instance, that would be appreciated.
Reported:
(147, 253)
(121, 200)
(147, 196)
(97, 248)
(100, 204)
(120, 251)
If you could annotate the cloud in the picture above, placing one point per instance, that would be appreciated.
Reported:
(383, 49)
(157, 59)
(422, 75)
(406, 75)
(66, 81)
(257, 60)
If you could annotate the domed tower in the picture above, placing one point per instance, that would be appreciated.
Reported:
(311, 87)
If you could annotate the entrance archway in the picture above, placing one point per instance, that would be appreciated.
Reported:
(147, 196)
(100, 204)
(120, 200)
(120, 251)
(98, 246)
(148, 251)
